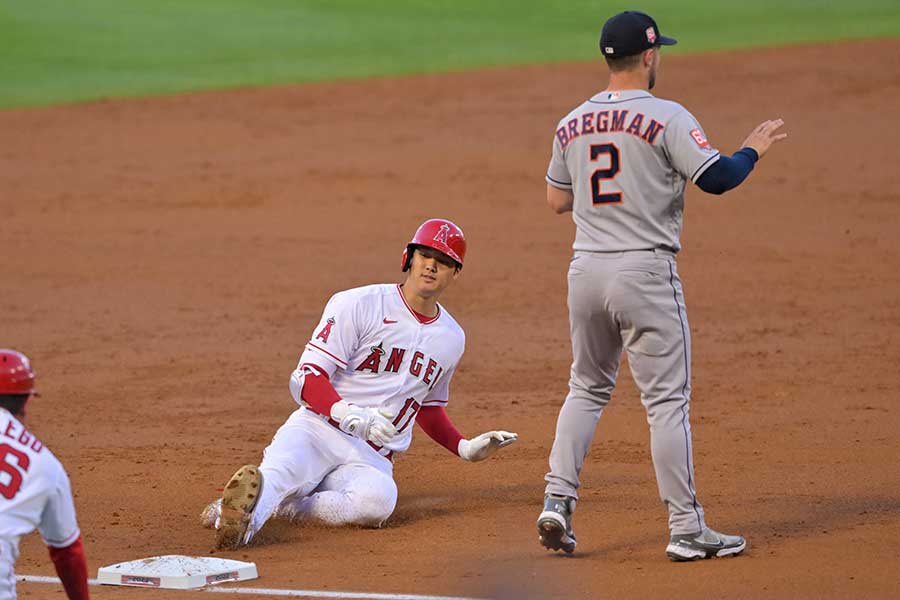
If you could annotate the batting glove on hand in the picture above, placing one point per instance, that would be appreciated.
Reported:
(482, 446)
(368, 424)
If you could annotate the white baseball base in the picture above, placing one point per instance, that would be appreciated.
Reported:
(176, 572)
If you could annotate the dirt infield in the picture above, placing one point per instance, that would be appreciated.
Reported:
(166, 260)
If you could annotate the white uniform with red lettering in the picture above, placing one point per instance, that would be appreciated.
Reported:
(34, 494)
(377, 353)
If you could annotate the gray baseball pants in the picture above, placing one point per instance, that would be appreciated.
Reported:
(631, 300)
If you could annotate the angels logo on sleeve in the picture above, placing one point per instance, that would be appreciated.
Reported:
(326, 331)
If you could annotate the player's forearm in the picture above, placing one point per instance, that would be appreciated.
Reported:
(71, 566)
(560, 200)
(319, 394)
(728, 172)
(437, 424)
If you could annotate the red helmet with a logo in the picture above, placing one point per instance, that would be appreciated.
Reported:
(440, 234)
(16, 374)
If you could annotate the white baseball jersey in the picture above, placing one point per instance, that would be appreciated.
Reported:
(378, 354)
(627, 156)
(34, 494)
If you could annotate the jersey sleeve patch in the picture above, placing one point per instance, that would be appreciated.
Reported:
(325, 332)
(700, 139)
(337, 335)
(688, 149)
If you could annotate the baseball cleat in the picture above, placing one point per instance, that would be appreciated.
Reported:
(238, 501)
(555, 523)
(706, 544)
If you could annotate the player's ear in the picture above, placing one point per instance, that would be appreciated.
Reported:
(648, 57)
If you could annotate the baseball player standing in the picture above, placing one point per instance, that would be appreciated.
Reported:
(380, 360)
(620, 162)
(34, 488)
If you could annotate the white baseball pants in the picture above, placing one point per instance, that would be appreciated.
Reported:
(9, 552)
(311, 469)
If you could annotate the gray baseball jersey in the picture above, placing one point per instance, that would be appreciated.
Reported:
(627, 156)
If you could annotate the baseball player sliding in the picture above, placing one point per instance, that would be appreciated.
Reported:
(34, 488)
(620, 162)
(380, 360)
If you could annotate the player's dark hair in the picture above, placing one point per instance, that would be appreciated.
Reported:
(14, 403)
(414, 247)
(624, 63)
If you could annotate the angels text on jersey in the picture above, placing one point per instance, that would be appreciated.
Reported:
(378, 353)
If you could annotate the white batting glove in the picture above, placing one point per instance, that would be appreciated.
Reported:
(482, 446)
(368, 424)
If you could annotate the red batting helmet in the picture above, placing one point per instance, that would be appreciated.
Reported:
(440, 234)
(16, 374)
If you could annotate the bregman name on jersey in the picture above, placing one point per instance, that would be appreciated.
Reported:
(627, 155)
(604, 121)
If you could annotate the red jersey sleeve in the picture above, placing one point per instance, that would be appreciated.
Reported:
(71, 566)
(319, 394)
(436, 423)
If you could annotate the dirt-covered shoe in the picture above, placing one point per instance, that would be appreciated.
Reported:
(555, 523)
(210, 515)
(705, 544)
(238, 501)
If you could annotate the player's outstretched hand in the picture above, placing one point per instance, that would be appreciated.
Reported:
(762, 138)
(482, 446)
(369, 424)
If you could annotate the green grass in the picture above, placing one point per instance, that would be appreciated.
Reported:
(54, 51)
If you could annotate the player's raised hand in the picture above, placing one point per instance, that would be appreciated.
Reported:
(482, 446)
(765, 134)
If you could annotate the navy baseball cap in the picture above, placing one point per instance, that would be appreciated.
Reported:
(631, 32)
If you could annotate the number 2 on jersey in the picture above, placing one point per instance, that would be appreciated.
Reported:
(602, 174)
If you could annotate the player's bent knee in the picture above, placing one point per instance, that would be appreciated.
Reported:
(372, 509)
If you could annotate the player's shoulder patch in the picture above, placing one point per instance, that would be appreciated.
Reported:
(700, 139)
(325, 332)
